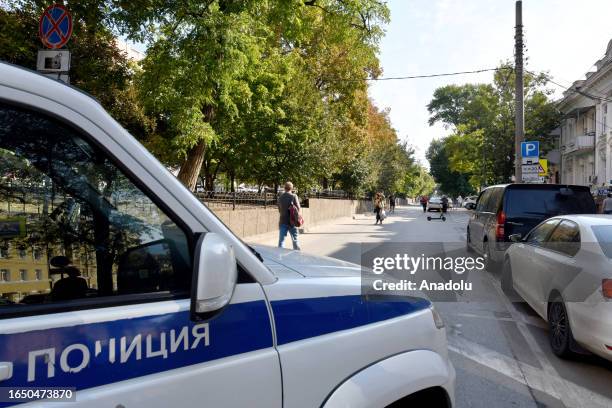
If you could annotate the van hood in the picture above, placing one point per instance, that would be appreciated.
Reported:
(285, 262)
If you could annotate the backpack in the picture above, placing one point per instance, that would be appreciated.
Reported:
(295, 218)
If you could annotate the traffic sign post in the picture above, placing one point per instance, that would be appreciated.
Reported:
(55, 29)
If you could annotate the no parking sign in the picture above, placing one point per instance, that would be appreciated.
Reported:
(55, 26)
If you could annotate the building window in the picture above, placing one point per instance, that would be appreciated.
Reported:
(4, 275)
(38, 274)
(23, 274)
(37, 254)
(22, 253)
(4, 250)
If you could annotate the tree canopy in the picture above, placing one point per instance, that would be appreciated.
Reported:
(256, 91)
(480, 149)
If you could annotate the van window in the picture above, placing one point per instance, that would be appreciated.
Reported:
(494, 200)
(481, 205)
(547, 202)
(87, 231)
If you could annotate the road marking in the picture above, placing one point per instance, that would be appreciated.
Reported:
(533, 377)
(533, 321)
(571, 395)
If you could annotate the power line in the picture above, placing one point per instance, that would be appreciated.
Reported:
(445, 74)
(478, 71)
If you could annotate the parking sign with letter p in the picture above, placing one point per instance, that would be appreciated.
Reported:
(530, 149)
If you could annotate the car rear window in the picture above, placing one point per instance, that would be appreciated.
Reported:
(604, 237)
(548, 202)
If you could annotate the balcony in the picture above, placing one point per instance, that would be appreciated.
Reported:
(580, 143)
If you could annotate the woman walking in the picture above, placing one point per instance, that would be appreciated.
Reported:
(379, 206)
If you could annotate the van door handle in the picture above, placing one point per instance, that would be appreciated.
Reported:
(6, 370)
(520, 224)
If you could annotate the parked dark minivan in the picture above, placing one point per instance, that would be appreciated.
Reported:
(503, 210)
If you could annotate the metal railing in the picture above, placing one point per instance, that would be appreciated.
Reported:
(238, 198)
(245, 199)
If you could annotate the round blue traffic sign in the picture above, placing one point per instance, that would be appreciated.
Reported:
(55, 26)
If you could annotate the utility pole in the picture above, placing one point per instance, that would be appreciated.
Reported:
(519, 132)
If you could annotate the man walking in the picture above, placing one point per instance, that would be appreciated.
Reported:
(423, 201)
(392, 203)
(285, 201)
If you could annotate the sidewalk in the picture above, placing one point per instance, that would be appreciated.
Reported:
(342, 237)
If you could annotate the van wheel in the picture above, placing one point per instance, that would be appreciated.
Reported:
(490, 264)
(559, 331)
(468, 242)
(487, 255)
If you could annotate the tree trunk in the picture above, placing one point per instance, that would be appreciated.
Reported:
(190, 169)
(325, 183)
(210, 182)
(232, 181)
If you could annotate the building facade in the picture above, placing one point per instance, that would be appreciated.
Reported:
(586, 128)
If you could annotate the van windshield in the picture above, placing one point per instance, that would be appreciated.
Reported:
(548, 202)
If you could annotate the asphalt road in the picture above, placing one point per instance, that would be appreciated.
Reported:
(499, 349)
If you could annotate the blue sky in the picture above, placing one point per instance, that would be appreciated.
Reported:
(434, 36)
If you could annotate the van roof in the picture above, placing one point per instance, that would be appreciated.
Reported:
(539, 186)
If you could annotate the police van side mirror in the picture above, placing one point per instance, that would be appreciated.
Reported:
(214, 277)
(470, 206)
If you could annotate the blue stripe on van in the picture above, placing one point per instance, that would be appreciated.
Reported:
(240, 328)
(298, 319)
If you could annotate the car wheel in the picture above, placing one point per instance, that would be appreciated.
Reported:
(559, 331)
(506, 277)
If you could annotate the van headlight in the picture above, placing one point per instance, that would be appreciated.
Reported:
(438, 321)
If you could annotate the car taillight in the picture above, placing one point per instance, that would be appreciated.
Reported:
(606, 288)
(499, 228)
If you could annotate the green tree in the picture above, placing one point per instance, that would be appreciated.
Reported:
(450, 182)
(418, 182)
(97, 66)
(481, 118)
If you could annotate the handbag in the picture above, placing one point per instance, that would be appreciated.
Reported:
(295, 218)
(383, 214)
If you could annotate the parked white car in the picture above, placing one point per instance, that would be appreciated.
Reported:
(469, 200)
(563, 270)
(176, 310)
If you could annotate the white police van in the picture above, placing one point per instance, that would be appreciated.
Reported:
(117, 282)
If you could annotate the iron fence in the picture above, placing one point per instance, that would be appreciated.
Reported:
(239, 198)
(244, 199)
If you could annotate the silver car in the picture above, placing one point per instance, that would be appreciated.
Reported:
(434, 203)
(563, 270)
